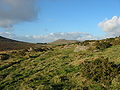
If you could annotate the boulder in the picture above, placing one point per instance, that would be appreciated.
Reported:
(31, 49)
(41, 49)
(81, 48)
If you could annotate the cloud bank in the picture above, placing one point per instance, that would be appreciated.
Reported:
(13, 12)
(17, 11)
(111, 26)
(51, 37)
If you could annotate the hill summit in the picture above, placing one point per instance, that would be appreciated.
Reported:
(64, 41)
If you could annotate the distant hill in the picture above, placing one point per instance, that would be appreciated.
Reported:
(3, 39)
(63, 41)
(9, 44)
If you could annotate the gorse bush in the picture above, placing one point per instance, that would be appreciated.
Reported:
(103, 45)
(4, 56)
(100, 70)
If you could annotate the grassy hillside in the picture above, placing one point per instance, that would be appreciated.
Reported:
(96, 67)
(9, 44)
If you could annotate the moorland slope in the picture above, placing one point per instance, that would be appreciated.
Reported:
(96, 67)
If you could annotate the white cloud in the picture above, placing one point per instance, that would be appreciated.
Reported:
(55, 36)
(7, 35)
(51, 37)
(111, 26)
(16, 11)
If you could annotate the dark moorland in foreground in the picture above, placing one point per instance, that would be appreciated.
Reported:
(88, 65)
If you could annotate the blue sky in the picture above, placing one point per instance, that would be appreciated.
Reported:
(68, 16)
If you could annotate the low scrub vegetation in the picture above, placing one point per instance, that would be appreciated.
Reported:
(59, 67)
(100, 71)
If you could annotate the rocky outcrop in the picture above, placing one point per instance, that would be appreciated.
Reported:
(41, 49)
(81, 48)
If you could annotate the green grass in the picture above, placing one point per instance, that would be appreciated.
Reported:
(61, 69)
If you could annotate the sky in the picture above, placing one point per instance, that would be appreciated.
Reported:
(49, 20)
